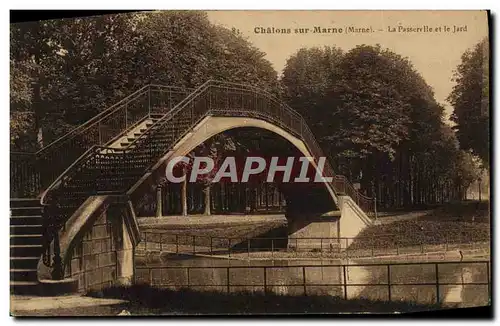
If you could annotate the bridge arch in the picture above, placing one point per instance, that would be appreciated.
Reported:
(213, 125)
(121, 154)
(315, 217)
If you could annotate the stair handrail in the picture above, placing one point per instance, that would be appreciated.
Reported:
(56, 182)
(306, 128)
(172, 112)
(194, 94)
(103, 114)
(144, 96)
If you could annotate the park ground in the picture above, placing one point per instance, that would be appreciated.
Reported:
(465, 221)
(459, 222)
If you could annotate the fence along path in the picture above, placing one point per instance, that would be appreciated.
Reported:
(280, 247)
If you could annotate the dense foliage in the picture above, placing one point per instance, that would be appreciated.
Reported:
(470, 101)
(380, 123)
(79, 67)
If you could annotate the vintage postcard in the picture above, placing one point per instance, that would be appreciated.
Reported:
(250, 162)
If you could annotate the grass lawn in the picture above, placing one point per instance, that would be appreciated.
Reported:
(455, 223)
(247, 230)
(463, 222)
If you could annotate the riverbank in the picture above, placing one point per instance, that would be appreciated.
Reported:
(146, 300)
(230, 226)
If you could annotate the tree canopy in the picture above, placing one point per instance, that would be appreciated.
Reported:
(81, 66)
(470, 101)
(379, 121)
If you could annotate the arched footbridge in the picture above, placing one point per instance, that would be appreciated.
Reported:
(75, 203)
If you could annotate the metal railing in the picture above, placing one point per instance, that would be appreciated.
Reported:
(211, 98)
(231, 99)
(303, 247)
(33, 172)
(394, 281)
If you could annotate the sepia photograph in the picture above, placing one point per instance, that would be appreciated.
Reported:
(250, 162)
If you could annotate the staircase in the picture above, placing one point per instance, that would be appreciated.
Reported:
(125, 141)
(25, 244)
(74, 164)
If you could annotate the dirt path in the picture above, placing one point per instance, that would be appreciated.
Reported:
(401, 217)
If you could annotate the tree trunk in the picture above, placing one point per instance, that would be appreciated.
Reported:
(206, 191)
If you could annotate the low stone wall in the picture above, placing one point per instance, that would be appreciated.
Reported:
(353, 220)
(412, 277)
(101, 252)
(285, 280)
(456, 283)
(94, 258)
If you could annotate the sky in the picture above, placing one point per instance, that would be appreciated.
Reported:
(435, 54)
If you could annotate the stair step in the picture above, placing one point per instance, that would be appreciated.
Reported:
(26, 211)
(26, 229)
(23, 283)
(24, 202)
(26, 239)
(25, 219)
(27, 262)
(124, 144)
(23, 274)
(24, 287)
(30, 250)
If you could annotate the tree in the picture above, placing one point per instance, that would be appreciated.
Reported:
(370, 118)
(30, 49)
(183, 48)
(73, 68)
(379, 122)
(308, 77)
(470, 101)
(22, 129)
(81, 66)
(216, 148)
